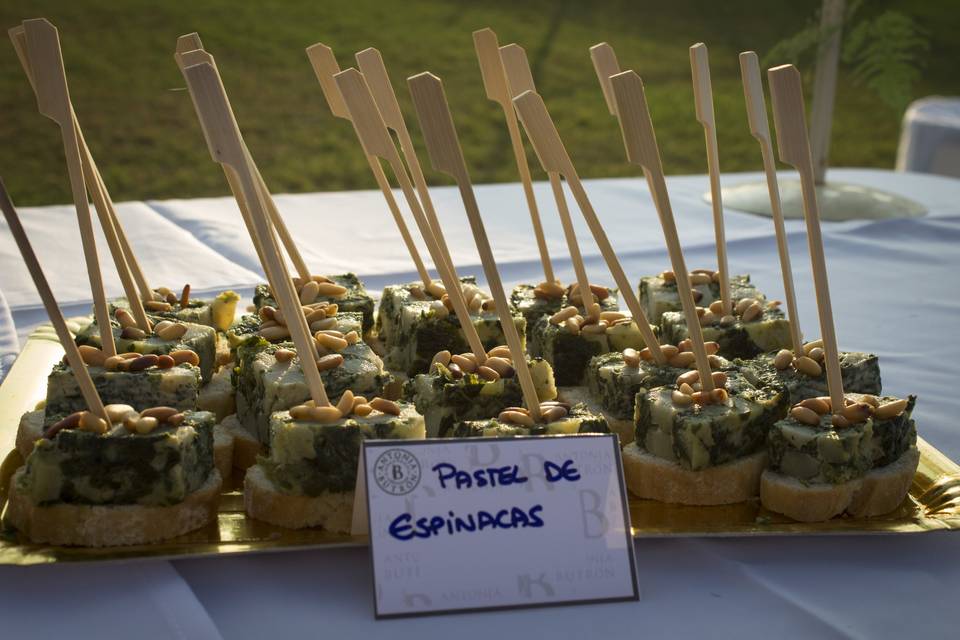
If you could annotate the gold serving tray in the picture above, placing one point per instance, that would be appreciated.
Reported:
(932, 505)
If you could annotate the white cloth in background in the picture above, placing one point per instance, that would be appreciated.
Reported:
(9, 344)
(894, 290)
(930, 137)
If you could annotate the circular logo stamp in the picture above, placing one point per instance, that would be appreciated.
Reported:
(397, 472)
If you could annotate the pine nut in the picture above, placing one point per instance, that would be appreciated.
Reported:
(681, 399)
(171, 331)
(417, 292)
(742, 305)
(699, 278)
(157, 306)
(331, 361)
(612, 316)
(719, 395)
(447, 302)
(331, 310)
(181, 356)
(324, 415)
(501, 365)
(708, 318)
(116, 413)
(284, 355)
(133, 333)
(682, 360)
(160, 413)
(753, 312)
(465, 364)
(501, 351)
(726, 321)
(668, 276)
(92, 356)
(436, 289)
(124, 318)
(163, 291)
(773, 304)
(562, 315)
(143, 362)
(92, 423)
(297, 283)
(689, 377)
(185, 296)
(812, 345)
(807, 366)
(719, 378)
(141, 425)
(857, 412)
(594, 329)
(476, 304)
(515, 417)
(552, 289)
(646, 354)
(805, 415)
(362, 410)
(309, 292)
(816, 354)
(631, 357)
(701, 398)
(385, 406)
(783, 359)
(442, 357)
(455, 371)
(686, 388)
(890, 409)
(487, 373)
(489, 305)
(320, 279)
(266, 313)
(711, 347)
(300, 412)
(330, 289)
(816, 404)
(114, 362)
(668, 350)
(345, 404)
(439, 309)
(572, 326)
(171, 299)
(323, 325)
(716, 361)
(552, 414)
(165, 362)
(273, 334)
(717, 307)
(873, 401)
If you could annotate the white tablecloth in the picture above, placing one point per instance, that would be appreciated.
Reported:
(895, 292)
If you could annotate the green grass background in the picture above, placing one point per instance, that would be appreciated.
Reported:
(141, 127)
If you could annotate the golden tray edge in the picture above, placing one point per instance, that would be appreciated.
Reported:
(933, 503)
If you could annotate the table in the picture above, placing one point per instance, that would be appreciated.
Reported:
(895, 292)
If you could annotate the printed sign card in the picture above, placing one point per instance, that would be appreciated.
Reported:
(481, 523)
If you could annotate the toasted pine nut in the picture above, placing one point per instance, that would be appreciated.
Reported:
(668, 276)
(552, 414)
(716, 361)
(669, 350)
(385, 406)
(572, 326)
(487, 373)
(324, 415)
(143, 362)
(890, 409)
(160, 413)
(124, 318)
(501, 365)
(594, 329)
(816, 404)
(92, 423)
(475, 304)
(681, 399)
(185, 296)
(436, 289)
(689, 377)
(552, 289)
(612, 316)
(805, 415)
(300, 412)
(466, 364)
(171, 299)
(708, 318)
(812, 345)
(808, 366)
(116, 413)
(284, 355)
(362, 410)
(515, 417)
(857, 412)
(320, 279)
(717, 307)
(92, 356)
(416, 292)
(309, 292)
(171, 331)
(331, 310)
(631, 357)
(719, 378)
(345, 404)
(142, 425)
(331, 361)
(266, 313)
(157, 306)
(783, 359)
(699, 278)
(871, 400)
(272, 334)
(816, 354)
(133, 333)
(726, 321)
(742, 305)
(181, 356)
(439, 309)
(165, 362)
(323, 325)
(561, 316)
(646, 354)
(839, 421)
(719, 395)
(330, 289)
(501, 351)
(701, 398)
(686, 388)
(682, 360)
(442, 357)
(752, 312)
(114, 362)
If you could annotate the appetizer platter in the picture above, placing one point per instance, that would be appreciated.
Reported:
(167, 425)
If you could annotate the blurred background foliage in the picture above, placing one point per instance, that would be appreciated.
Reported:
(141, 127)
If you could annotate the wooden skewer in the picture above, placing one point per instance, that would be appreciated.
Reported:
(188, 43)
(553, 156)
(325, 66)
(793, 144)
(520, 79)
(370, 63)
(116, 240)
(446, 156)
(703, 99)
(53, 99)
(74, 359)
(606, 65)
(227, 148)
(760, 129)
(641, 145)
(377, 142)
(497, 88)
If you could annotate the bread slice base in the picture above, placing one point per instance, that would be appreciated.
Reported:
(625, 429)
(111, 525)
(223, 451)
(654, 478)
(879, 491)
(262, 500)
(29, 431)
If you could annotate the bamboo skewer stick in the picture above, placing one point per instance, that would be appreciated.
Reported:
(74, 359)
(370, 63)
(186, 45)
(520, 79)
(377, 142)
(553, 156)
(497, 87)
(53, 99)
(793, 144)
(325, 67)
(116, 240)
(447, 157)
(606, 65)
(703, 100)
(760, 129)
(227, 148)
(640, 142)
